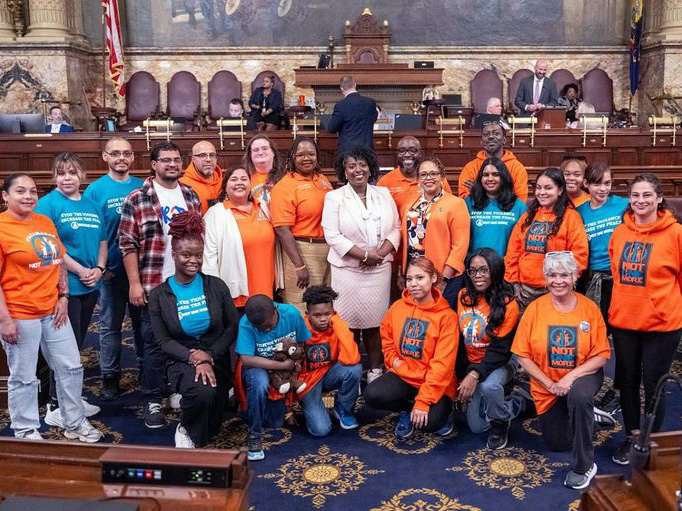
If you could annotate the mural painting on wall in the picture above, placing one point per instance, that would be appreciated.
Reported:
(192, 23)
(20, 91)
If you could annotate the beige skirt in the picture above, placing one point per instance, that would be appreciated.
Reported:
(315, 258)
(364, 295)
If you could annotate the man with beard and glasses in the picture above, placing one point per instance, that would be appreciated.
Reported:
(493, 138)
(204, 175)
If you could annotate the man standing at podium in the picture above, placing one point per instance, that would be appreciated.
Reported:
(538, 91)
(353, 118)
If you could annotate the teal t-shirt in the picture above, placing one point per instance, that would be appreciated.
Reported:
(290, 325)
(491, 227)
(109, 194)
(81, 229)
(192, 307)
(599, 225)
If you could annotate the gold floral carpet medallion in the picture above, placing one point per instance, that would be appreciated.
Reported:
(320, 476)
(512, 469)
(234, 433)
(423, 499)
(381, 432)
(574, 506)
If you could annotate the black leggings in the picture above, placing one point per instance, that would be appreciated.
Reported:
(642, 357)
(390, 392)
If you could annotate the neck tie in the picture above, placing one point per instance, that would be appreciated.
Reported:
(536, 93)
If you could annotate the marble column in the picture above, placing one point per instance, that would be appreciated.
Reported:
(6, 22)
(74, 19)
(48, 20)
(671, 20)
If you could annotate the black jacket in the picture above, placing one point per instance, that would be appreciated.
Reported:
(353, 119)
(175, 343)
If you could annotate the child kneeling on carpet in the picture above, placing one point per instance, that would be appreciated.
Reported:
(263, 326)
(419, 338)
(332, 362)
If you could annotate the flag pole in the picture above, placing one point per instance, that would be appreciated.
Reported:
(104, 56)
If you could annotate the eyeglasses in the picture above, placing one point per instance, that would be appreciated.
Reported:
(118, 154)
(429, 175)
(166, 161)
(203, 156)
(405, 150)
(483, 270)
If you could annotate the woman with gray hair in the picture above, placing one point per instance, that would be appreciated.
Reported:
(561, 343)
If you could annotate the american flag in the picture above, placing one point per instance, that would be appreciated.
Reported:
(114, 44)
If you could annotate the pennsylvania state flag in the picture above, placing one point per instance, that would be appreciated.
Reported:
(635, 42)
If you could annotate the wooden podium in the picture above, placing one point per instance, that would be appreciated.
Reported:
(651, 489)
(552, 118)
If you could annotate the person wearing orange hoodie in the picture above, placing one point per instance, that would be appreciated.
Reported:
(551, 224)
(204, 175)
(493, 138)
(332, 362)
(646, 303)
(420, 337)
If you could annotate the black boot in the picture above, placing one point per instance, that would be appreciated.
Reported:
(110, 388)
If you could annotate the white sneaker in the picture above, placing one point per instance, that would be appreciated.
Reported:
(53, 416)
(182, 439)
(174, 401)
(31, 435)
(90, 409)
(373, 374)
(86, 432)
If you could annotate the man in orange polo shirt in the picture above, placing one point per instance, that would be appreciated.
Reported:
(402, 180)
(204, 175)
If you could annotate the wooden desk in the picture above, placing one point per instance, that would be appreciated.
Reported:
(64, 469)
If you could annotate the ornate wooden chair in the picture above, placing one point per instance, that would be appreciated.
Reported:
(142, 99)
(184, 99)
(485, 85)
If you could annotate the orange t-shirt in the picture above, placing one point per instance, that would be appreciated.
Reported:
(474, 320)
(401, 187)
(258, 190)
(258, 240)
(30, 255)
(578, 201)
(559, 342)
(297, 201)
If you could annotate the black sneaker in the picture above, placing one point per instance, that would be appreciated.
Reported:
(622, 454)
(255, 445)
(153, 416)
(499, 433)
(610, 402)
(110, 389)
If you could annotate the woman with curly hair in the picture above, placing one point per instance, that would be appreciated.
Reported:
(261, 160)
(195, 322)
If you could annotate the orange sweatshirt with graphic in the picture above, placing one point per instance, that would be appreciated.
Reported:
(527, 246)
(518, 173)
(324, 349)
(207, 189)
(425, 338)
(646, 263)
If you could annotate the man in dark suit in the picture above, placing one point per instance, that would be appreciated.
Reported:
(57, 122)
(538, 91)
(353, 118)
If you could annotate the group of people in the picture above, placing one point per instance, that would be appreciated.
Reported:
(451, 296)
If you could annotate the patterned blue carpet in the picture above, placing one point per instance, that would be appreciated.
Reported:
(367, 469)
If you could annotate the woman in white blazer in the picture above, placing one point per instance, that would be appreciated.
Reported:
(362, 228)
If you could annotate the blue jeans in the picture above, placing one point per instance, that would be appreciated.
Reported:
(489, 402)
(61, 353)
(112, 301)
(261, 411)
(339, 377)
(153, 380)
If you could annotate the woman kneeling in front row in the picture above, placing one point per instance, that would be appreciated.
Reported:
(561, 342)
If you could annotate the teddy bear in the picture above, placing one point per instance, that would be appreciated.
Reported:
(284, 381)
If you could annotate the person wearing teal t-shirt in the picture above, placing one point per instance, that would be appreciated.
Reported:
(79, 224)
(109, 192)
(493, 207)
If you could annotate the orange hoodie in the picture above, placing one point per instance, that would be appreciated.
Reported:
(527, 247)
(207, 189)
(646, 263)
(516, 169)
(425, 338)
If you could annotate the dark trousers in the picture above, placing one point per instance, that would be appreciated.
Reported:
(390, 392)
(80, 311)
(642, 357)
(201, 406)
(452, 290)
(577, 411)
(153, 380)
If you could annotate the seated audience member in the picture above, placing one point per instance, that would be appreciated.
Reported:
(34, 295)
(569, 99)
(240, 240)
(561, 343)
(493, 138)
(80, 227)
(57, 124)
(195, 323)
(488, 316)
(573, 169)
(493, 107)
(204, 175)
(420, 337)
(260, 329)
(332, 362)
(493, 207)
(435, 224)
(236, 108)
(550, 224)
(267, 105)
(261, 160)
